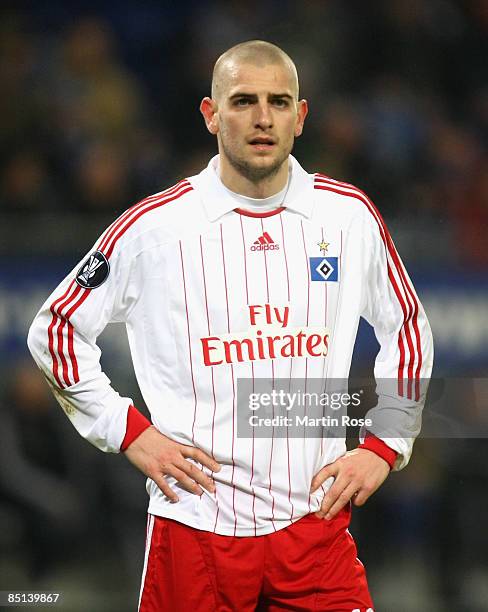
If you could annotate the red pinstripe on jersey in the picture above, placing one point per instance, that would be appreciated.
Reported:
(60, 314)
(252, 374)
(265, 266)
(189, 347)
(325, 374)
(286, 258)
(283, 242)
(403, 289)
(307, 266)
(211, 369)
(272, 384)
(233, 385)
(271, 453)
(252, 463)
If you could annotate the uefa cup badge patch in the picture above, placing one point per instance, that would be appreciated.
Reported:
(325, 268)
(94, 271)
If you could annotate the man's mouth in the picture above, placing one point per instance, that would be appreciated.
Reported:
(262, 141)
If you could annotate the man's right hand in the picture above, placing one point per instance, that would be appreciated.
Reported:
(156, 455)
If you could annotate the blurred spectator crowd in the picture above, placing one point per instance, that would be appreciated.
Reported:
(63, 504)
(101, 108)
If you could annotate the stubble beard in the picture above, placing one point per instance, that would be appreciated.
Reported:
(252, 172)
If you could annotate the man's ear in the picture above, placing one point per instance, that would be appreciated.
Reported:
(302, 113)
(208, 108)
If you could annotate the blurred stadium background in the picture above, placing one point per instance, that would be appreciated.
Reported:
(98, 109)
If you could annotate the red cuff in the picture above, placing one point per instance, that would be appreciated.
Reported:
(136, 424)
(381, 449)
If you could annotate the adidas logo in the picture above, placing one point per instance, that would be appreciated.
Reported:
(265, 243)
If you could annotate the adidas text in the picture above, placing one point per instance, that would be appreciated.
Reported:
(265, 247)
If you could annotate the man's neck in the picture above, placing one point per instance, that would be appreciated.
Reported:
(236, 182)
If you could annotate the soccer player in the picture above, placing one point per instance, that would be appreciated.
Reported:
(253, 269)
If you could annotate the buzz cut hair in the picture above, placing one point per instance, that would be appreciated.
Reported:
(257, 53)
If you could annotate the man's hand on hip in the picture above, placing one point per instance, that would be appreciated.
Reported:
(156, 455)
(357, 475)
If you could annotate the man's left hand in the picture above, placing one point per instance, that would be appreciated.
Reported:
(357, 475)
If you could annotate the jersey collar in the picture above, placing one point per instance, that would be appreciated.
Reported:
(217, 201)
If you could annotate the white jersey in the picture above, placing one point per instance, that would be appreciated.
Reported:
(211, 294)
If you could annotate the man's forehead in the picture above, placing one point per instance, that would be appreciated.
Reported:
(273, 78)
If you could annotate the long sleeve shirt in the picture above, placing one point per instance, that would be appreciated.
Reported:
(211, 295)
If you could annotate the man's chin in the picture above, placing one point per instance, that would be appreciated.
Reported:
(258, 166)
(258, 172)
(265, 165)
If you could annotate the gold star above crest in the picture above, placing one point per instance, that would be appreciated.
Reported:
(323, 246)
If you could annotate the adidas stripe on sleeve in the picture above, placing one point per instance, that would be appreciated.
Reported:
(401, 328)
(62, 338)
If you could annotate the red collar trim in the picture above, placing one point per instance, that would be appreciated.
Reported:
(269, 213)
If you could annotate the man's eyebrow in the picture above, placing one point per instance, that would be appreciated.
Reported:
(281, 95)
(241, 94)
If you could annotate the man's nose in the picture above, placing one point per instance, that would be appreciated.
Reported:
(264, 117)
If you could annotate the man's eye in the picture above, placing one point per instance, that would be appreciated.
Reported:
(280, 102)
(242, 102)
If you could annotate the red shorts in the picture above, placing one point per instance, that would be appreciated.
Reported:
(310, 565)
